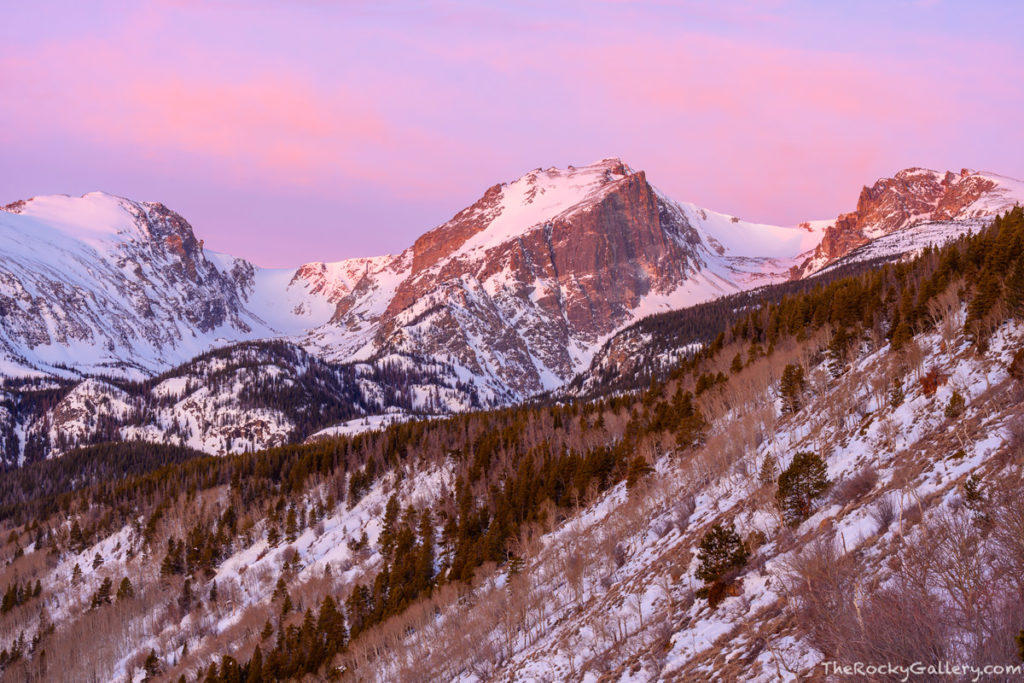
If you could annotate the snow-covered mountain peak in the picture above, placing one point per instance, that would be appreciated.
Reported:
(510, 210)
(105, 284)
(541, 196)
(101, 220)
(96, 218)
(918, 194)
(513, 294)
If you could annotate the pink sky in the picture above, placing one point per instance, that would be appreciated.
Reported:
(287, 132)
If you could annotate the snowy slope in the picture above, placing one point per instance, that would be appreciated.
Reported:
(103, 284)
(731, 236)
(544, 196)
(609, 594)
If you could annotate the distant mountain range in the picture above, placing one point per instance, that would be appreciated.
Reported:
(101, 296)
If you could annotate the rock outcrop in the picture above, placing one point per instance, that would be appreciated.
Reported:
(911, 197)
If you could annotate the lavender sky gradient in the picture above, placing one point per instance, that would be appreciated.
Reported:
(290, 131)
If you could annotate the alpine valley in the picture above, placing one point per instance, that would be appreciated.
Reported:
(580, 432)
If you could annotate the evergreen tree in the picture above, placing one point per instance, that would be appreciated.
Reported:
(268, 630)
(956, 406)
(310, 645)
(151, 666)
(230, 671)
(360, 608)
(125, 591)
(254, 669)
(185, 599)
(102, 595)
(425, 554)
(388, 531)
(690, 424)
(737, 364)
(986, 294)
(721, 551)
(800, 485)
(1015, 289)
(291, 525)
(896, 394)
(791, 388)
(174, 561)
(280, 589)
(837, 350)
(901, 336)
(76, 539)
(769, 468)
(638, 468)
(331, 625)
(975, 499)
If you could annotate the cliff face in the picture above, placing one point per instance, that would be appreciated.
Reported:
(523, 304)
(912, 196)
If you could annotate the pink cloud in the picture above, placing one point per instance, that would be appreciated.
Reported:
(270, 124)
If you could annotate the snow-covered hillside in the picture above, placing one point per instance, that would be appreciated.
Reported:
(898, 476)
(245, 397)
(608, 591)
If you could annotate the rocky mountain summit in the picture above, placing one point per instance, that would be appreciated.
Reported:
(912, 197)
